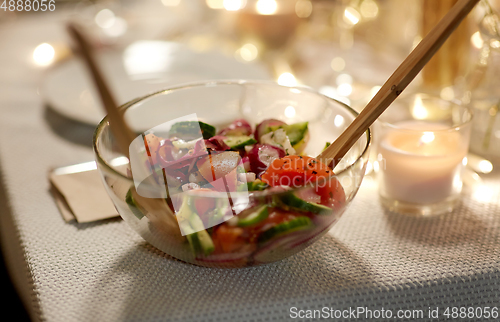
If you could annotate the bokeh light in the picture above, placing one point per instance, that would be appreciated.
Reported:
(44, 54)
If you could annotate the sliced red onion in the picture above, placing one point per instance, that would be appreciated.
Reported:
(237, 128)
(165, 150)
(262, 155)
(216, 143)
(265, 127)
(166, 160)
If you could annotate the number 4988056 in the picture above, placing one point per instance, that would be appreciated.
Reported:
(28, 5)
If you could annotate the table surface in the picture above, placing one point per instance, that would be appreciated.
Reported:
(103, 271)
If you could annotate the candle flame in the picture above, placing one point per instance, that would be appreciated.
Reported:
(427, 137)
(419, 111)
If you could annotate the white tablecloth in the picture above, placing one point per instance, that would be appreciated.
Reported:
(103, 271)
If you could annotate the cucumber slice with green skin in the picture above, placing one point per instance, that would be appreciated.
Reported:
(292, 201)
(239, 142)
(194, 243)
(132, 205)
(256, 186)
(191, 129)
(295, 132)
(201, 242)
(222, 207)
(198, 238)
(286, 227)
(206, 243)
(255, 217)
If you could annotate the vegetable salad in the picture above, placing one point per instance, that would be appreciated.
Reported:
(197, 162)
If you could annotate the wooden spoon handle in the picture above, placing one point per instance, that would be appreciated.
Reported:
(157, 209)
(121, 131)
(403, 75)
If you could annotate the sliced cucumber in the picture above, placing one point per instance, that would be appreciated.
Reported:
(194, 243)
(295, 132)
(206, 243)
(286, 227)
(217, 215)
(201, 242)
(256, 185)
(292, 201)
(132, 205)
(191, 130)
(198, 238)
(196, 222)
(239, 142)
(255, 217)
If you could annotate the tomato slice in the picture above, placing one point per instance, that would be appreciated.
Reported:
(219, 169)
(295, 171)
(332, 193)
(228, 239)
(203, 204)
(152, 143)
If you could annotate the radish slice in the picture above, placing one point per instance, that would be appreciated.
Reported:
(237, 128)
(262, 155)
(266, 127)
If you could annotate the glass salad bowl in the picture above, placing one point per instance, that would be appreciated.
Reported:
(222, 174)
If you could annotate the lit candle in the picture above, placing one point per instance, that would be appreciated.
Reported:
(420, 162)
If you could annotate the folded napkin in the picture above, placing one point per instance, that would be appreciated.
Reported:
(80, 194)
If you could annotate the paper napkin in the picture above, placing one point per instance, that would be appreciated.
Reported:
(80, 194)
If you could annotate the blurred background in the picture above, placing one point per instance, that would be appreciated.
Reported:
(345, 49)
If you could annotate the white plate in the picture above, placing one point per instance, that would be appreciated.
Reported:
(143, 67)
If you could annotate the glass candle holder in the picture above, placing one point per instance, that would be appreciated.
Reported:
(422, 142)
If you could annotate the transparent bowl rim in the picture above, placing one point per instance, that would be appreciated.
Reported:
(104, 121)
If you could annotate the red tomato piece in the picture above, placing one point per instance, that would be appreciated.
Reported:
(295, 171)
(228, 239)
(152, 143)
(203, 204)
(332, 193)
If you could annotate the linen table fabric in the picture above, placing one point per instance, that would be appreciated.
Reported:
(103, 271)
